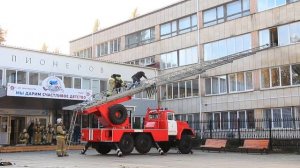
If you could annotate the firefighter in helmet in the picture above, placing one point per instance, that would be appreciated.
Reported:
(60, 138)
(115, 83)
(24, 137)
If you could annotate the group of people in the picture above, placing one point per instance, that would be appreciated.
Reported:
(37, 134)
(115, 82)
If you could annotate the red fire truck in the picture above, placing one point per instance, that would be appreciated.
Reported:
(161, 130)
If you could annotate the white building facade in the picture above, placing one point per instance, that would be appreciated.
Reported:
(26, 95)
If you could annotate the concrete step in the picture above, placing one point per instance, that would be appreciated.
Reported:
(33, 148)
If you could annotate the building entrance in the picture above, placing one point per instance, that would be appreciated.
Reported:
(17, 126)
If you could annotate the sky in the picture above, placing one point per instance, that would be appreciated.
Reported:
(30, 23)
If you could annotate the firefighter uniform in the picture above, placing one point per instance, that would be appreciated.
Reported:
(37, 134)
(24, 137)
(49, 134)
(60, 138)
(114, 84)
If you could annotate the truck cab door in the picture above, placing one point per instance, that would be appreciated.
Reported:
(172, 124)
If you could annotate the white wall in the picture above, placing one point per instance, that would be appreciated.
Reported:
(21, 59)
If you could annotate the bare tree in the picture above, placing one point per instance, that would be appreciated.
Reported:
(2, 35)
(44, 47)
(96, 26)
(134, 13)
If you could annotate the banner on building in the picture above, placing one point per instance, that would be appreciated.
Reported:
(52, 87)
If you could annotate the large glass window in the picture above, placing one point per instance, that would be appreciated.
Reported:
(275, 77)
(280, 117)
(233, 10)
(195, 87)
(11, 76)
(289, 34)
(179, 58)
(175, 90)
(182, 89)
(216, 85)
(95, 86)
(139, 38)
(68, 82)
(114, 45)
(226, 47)
(170, 91)
(42, 77)
(184, 25)
(296, 74)
(241, 81)
(86, 83)
(77, 83)
(21, 77)
(86, 53)
(33, 78)
(265, 78)
(269, 4)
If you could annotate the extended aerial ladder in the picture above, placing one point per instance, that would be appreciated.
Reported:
(150, 85)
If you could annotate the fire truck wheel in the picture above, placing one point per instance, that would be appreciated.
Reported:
(143, 143)
(103, 149)
(165, 146)
(117, 114)
(126, 144)
(185, 144)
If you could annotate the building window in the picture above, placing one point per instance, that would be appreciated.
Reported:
(289, 34)
(95, 87)
(268, 36)
(275, 77)
(21, 77)
(241, 81)
(282, 35)
(114, 45)
(280, 117)
(86, 53)
(229, 120)
(226, 47)
(180, 89)
(179, 58)
(195, 86)
(103, 85)
(143, 62)
(108, 47)
(42, 77)
(68, 82)
(163, 92)
(77, 83)
(296, 74)
(188, 56)
(11, 76)
(175, 90)
(179, 26)
(139, 38)
(226, 12)
(269, 4)
(86, 83)
(169, 91)
(33, 78)
(216, 85)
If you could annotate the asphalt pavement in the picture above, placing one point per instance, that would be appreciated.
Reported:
(198, 159)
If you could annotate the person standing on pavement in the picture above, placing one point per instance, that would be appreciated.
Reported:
(136, 78)
(60, 138)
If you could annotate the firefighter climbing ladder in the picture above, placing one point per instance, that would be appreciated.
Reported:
(150, 85)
